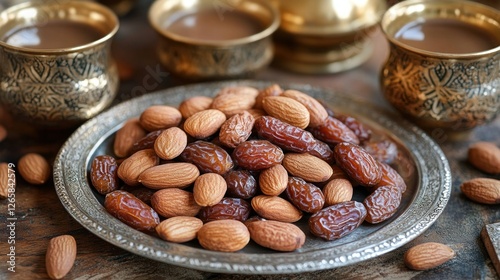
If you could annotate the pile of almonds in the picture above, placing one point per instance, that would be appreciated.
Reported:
(247, 164)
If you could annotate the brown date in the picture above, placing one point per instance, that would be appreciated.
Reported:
(208, 157)
(305, 196)
(390, 177)
(338, 220)
(240, 184)
(284, 135)
(228, 208)
(146, 142)
(236, 129)
(132, 211)
(333, 131)
(103, 174)
(323, 151)
(257, 154)
(384, 150)
(382, 204)
(362, 132)
(358, 164)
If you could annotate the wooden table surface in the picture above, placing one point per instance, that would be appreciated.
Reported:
(40, 215)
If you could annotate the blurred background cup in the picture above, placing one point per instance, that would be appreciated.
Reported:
(56, 68)
(443, 69)
(214, 39)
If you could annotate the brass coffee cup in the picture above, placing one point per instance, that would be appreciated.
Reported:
(450, 90)
(57, 86)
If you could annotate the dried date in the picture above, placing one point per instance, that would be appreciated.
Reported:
(257, 154)
(323, 151)
(338, 220)
(240, 184)
(146, 142)
(362, 132)
(390, 177)
(382, 204)
(384, 150)
(103, 174)
(236, 129)
(208, 157)
(228, 208)
(358, 164)
(305, 196)
(333, 131)
(131, 210)
(284, 135)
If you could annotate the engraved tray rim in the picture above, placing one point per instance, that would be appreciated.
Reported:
(74, 192)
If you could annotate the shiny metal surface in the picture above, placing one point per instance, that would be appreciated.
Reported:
(421, 163)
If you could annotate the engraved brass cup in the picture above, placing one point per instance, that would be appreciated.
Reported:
(57, 87)
(453, 92)
(196, 59)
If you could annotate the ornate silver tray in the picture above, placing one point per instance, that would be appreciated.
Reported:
(420, 161)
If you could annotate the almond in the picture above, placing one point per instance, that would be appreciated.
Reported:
(482, 190)
(234, 100)
(275, 208)
(194, 104)
(427, 255)
(209, 189)
(174, 202)
(4, 180)
(337, 191)
(287, 110)
(160, 117)
(272, 90)
(279, 236)
(307, 166)
(60, 256)
(204, 123)
(224, 235)
(169, 175)
(126, 136)
(34, 168)
(317, 112)
(236, 129)
(131, 167)
(179, 229)
(485, 156)
(170, 143)
(273, 180)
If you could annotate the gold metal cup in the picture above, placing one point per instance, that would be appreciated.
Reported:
(58, 87)
(453, 92)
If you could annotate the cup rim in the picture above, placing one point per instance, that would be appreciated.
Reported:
(154, 13)
(461, 4)
(77, 4)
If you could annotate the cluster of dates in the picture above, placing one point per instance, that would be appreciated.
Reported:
(247, 163)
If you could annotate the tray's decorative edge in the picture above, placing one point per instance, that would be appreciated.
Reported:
(68, 173)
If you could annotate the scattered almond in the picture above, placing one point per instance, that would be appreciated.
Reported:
(307, 166)
(279, 236)
(485, 156)
(169, 175)
(160, 117)
(427, 255)
(204, 123)
(60, 256)
(130, 169)
(4, 180)
(209, 189)
(126, 136)
(337, 191)
(273, 180)
(173, 202)
(275, 208)
(179, 229)
(34, 168)
(193, 105)
(482, 190)
(287, 110)
(170, 143)
(317, 112)
(224, 235)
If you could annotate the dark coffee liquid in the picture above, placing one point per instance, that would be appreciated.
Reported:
(446, 36)
(210, 25)
(54, 34)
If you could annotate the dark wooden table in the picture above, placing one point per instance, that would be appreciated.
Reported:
(40, 215)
